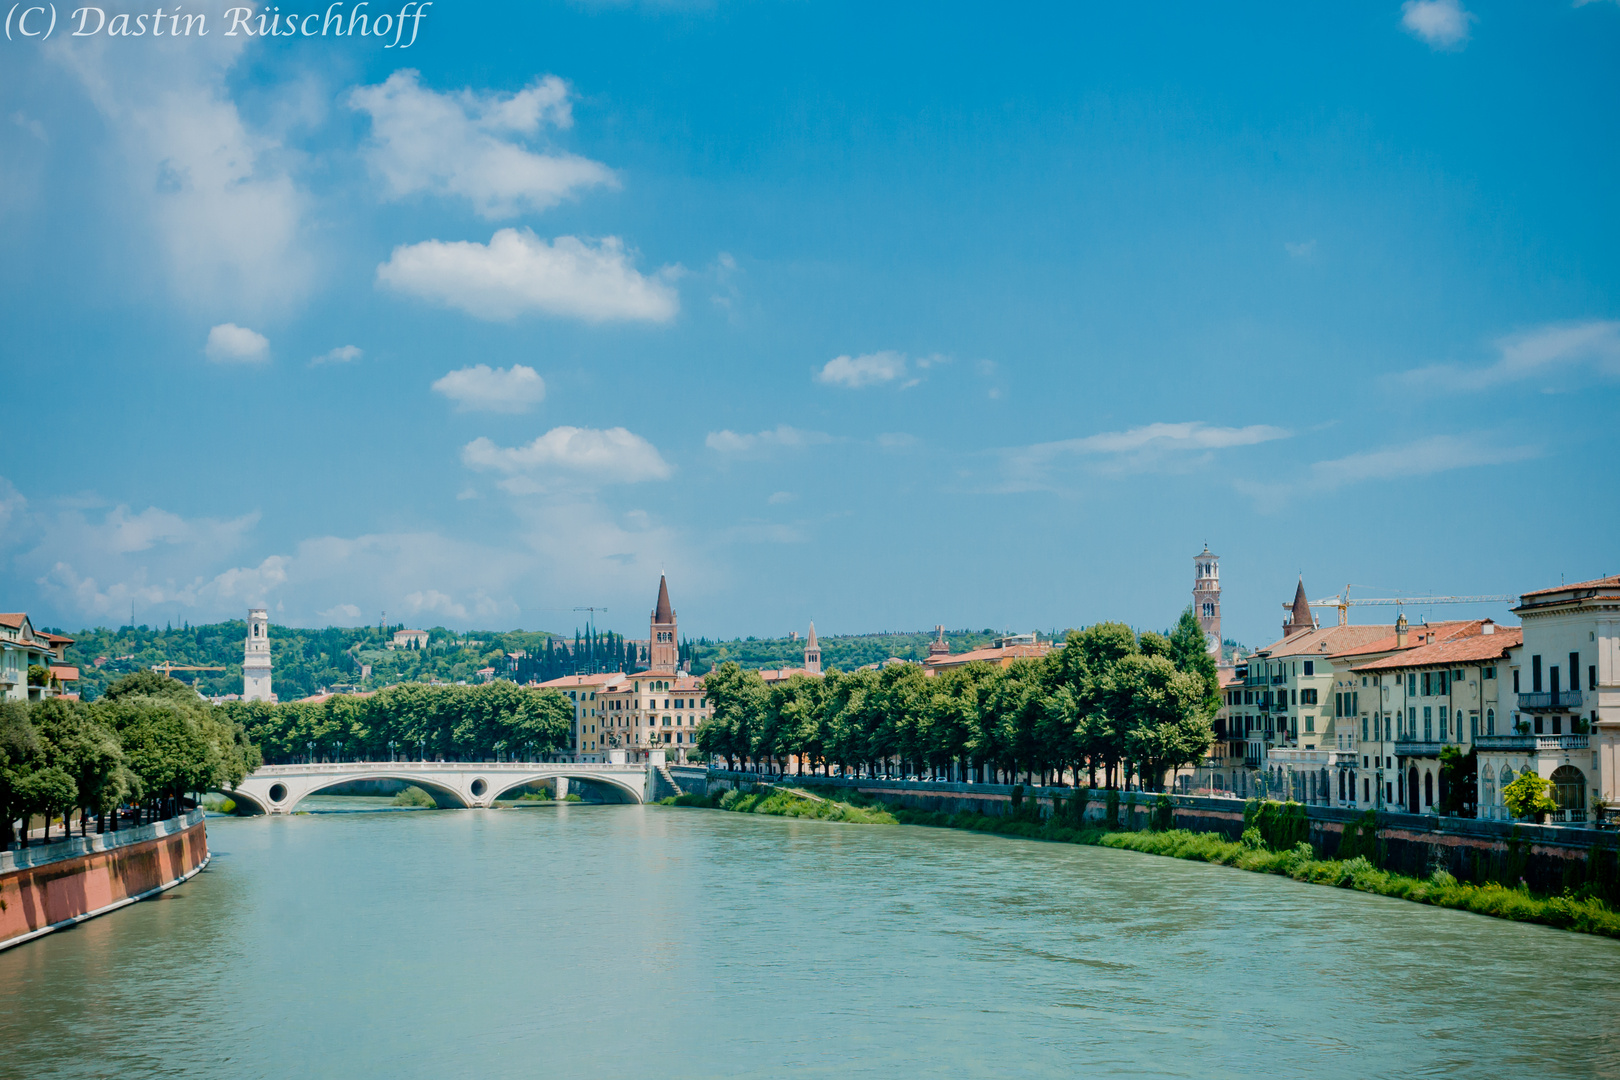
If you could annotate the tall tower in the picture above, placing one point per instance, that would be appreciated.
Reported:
(1207, 598)
(256, 657)
(1299, 618)
(812, 653)
(664, 651)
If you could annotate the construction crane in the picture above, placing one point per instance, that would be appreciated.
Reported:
(167, 668)
(1344, 603)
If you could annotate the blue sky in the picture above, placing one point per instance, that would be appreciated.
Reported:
(877, 315)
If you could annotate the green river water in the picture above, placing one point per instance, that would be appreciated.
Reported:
(647, 942)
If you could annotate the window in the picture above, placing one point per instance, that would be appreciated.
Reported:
(1310, 667)
(1428, 724)
(1338, 704)
(1444, 725)
(1411, 685)
(1488, 672)
(1310, 725)
(1515, 680)
(1535, 676)
(1575, 671)
(1363, 729)
(1307, 697)
(1591, 676)
(1490, 721)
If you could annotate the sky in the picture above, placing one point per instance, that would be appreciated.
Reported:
(878, 315)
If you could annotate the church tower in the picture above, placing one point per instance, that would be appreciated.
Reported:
(1207, 598)
(664, 650)
(812, 653)
(1299, 618)
(256, 657)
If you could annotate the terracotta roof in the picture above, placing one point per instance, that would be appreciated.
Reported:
(569, 681)
(990, 655)
(57, 639)
(1337, 639)
(1457, 650)
(771, 675)
(1595, 583)
(663, 613)
(1415, 637)
(63, 673)
(13, 618)
(1301, 615)
(1229, 677)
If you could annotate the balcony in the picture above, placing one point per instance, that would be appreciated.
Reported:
(1278, 680)
(1566, 816)
(1550, 701)
(1526, 743)
(1519, 743)
(1418, 748)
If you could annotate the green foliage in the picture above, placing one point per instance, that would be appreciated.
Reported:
(1164, 814)
(1281, 825)
(1112, 811)
(39, 675)
(466, 722)
(1459, 780)
(779, 802)
(1360, 840)
(415, 798)
(1529, 796)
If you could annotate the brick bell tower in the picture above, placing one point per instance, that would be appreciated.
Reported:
(1207, 598)
(663, 647)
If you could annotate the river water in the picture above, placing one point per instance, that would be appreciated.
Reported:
(630, 941)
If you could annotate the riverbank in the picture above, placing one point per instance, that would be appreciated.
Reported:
(58, 885)
(1571, 911)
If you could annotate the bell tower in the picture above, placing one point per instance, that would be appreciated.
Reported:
(256, 657)
(1207, 598)
(663, 647)
(812, 653)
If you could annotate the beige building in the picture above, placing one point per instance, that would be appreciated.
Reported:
(22, 647)
(1563, 689)
(1434, 686)
(587, 738)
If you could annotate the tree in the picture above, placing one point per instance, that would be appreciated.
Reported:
(78, 743)
(46, 791)
(1529, 796)
(20, 753)
(1166, 722)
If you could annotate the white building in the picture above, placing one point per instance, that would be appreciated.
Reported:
(256, 658)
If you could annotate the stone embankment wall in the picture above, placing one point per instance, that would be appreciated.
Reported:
(1547, 858)
(50, 886)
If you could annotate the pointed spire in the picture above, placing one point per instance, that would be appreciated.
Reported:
(1300, 615)
(810, 642)
(663, 613)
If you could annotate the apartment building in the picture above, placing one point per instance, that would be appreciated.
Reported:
(23, 647)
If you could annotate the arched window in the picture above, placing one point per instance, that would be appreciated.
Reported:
(1507, 776)
(1428, 788)
(1569, 792)
(1490, 721)
(1487, 796)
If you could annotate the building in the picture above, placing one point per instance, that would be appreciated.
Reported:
(1563, 682)
(409, 639)
(21, 648)
(587, 739)
(812, 663)
(1003, 652)
(650, 710)
(664, 649)
(256, 658)
(1207, 598)
(1407, 698)
(1288, 685)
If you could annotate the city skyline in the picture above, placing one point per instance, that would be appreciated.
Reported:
(881, 319)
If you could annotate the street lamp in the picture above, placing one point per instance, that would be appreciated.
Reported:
(390, 749)
(311, 745)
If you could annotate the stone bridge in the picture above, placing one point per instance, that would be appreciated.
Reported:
(276, 789)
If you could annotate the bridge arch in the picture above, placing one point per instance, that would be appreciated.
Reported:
(510, 783)
(435, 788)
(240, 797)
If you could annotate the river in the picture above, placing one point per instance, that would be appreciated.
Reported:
(630, 941)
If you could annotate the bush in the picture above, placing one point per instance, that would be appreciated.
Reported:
(415, 798)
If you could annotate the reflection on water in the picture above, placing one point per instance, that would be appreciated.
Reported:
(626, 941)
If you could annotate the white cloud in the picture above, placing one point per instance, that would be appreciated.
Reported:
(345, 612)
(869, 369)
(481, 388)
(232, 344)
(1303, 250)
(611, 456)
(1544, 352)
(730, 442)
(1442, 24)
(343, 354)
(1438, 453)
(466, 144)
(518, 272)
(1157, 447)
(211, 195)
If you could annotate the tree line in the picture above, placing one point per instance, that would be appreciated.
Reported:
(1110, 703)
(496, 720)
(147, 743)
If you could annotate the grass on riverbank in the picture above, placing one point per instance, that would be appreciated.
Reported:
(779, 803)
(1586, 915)
(1568, 912)
(415, 798)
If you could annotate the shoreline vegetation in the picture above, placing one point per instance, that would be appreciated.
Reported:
(1261, 850)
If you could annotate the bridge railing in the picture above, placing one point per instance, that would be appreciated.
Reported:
(440, 766)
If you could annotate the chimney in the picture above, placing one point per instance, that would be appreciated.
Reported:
(1488, 628)
(1400, 632)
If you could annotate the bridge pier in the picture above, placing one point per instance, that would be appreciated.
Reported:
(562, 788)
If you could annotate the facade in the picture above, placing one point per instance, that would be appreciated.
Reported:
(22, 647)
(1228, 767)
(651, 710)
(587, 739)
(1207, 597)
(1432, 687)
(256, 658)
(409, 639)
(1563, 682)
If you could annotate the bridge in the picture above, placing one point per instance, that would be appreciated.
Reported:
(276, 789)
